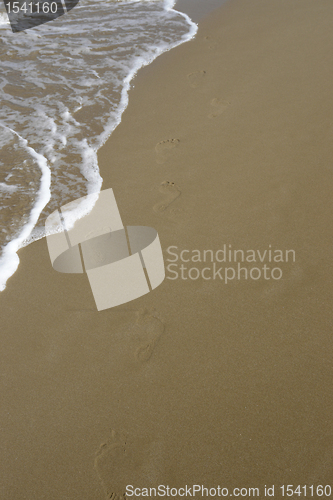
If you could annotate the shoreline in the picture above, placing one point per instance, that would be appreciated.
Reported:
(29, 233)
(226, 140)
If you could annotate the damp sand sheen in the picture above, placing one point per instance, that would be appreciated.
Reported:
(194, 382)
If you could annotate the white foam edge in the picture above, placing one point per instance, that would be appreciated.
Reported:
(9, 260)
(142, 62)
(169, 5)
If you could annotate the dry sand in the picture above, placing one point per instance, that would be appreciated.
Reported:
(197, 382)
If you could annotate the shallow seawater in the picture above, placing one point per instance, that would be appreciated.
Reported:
(63, 88)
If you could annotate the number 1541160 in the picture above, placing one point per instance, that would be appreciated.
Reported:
(318, 491)
(43, 7)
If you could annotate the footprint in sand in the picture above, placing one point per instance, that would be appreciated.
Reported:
(164, 149)
(171, 192)
(209, 40)
(136, 339)
(149, 328)
(112, 453)
(196, 79)
(217, 106)
(124, 460)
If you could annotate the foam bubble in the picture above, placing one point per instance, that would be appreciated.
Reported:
(8, 188)
(3, 19)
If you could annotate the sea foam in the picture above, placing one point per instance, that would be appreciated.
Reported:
(64, 87)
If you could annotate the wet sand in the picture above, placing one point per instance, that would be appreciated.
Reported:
(227, 140)
(198, 9)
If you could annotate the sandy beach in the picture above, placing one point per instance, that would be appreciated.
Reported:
(227, 140)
